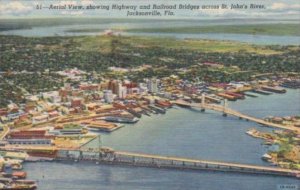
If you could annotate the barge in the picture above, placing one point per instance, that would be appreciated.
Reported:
(273, 89)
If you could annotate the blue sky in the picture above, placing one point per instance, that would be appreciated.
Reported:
(281, 9)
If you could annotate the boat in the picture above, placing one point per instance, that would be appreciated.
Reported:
(268, 143)
(291, 84)
(258, 91)
(249, 95)
(275, 89)
(251, 132)
(8, 184)
(236, 95)
(119, 119)
(136, 114)
(19, 175)
(16, 166)
(163, 104)
(266, 157)
(157, 109)
(227, 96)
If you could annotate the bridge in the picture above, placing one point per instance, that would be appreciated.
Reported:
(104, 155)
(108, 156)
(227, 111)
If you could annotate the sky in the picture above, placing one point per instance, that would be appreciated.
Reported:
(274, 9)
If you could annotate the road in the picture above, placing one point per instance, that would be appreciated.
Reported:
(232, 112)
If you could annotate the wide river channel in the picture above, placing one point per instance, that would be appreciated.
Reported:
(180, 132)
(66, 30)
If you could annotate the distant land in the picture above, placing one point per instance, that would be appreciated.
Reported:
(261, 29)
(237, 26)
(256, 29)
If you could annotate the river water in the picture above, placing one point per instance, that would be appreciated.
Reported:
(180, 132)
(64, 30)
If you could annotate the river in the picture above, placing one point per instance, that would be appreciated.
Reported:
(64, 30)
(180, 132)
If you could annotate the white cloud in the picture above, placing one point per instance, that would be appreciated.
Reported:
(284, 6)
(15, 8)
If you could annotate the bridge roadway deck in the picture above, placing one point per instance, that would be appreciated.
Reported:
(232, 112)
(109, 156)
(216, 165)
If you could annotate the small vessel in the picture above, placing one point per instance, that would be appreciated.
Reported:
(19, 175)
(236, 95)
(258, 91)
(118, 119)
(268, 143)
(8, 184)
(157, 109)
(266, 157)
(250, 95)
(251, 132)
(227, 96)
(275, 89)
(16, 166)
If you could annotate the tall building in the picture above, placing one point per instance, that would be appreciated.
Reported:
(152, 85)
(113, 85)
(122, 91)
(108, 96)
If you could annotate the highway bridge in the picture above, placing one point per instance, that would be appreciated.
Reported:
(227, 111)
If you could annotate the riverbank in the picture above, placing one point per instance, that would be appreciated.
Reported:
(254, 29)
(287, 155)
(184, 133)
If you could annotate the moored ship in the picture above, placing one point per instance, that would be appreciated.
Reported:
(119, 119)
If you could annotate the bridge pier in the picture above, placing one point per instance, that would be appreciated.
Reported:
(225, 108)
(80, 155)
(202, 102)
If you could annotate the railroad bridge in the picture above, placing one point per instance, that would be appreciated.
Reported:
(109, 156)
(94, 152)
